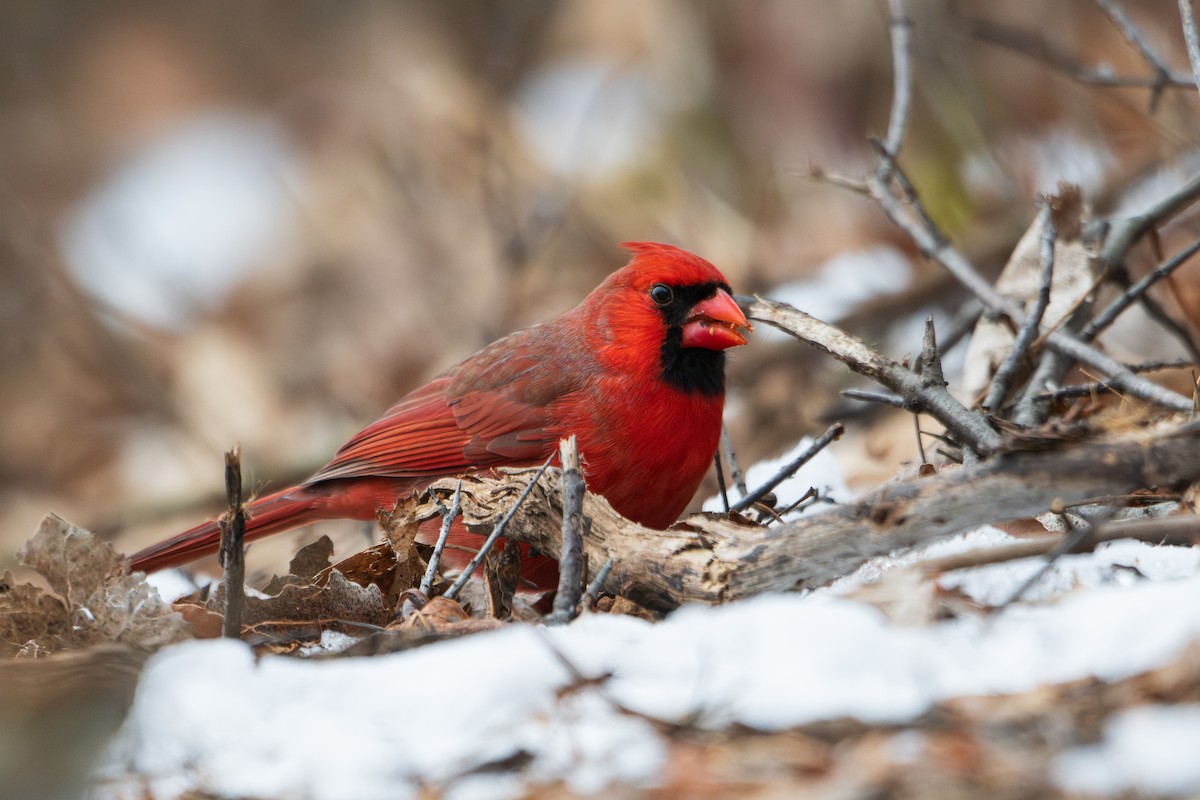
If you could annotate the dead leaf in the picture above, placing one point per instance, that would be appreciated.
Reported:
(97, 602)
(312, 559)
(1073, 277)
(338, 599)
(501, 574)
(205, 624)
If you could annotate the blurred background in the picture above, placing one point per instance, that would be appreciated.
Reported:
(265, 222)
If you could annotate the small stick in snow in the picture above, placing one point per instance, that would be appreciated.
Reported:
(1070, 543)
(232, 555)
(1182, 530)
(496, 533)
(435, 559)
(831, 434)
(574, 528)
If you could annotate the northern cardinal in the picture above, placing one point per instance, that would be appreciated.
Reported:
(636, 371)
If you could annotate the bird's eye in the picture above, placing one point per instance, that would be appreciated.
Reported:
(661, 294)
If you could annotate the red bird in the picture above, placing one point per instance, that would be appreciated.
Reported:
(636, 371)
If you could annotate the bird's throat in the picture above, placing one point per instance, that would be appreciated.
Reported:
(692, 369)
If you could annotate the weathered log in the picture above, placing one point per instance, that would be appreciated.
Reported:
(711, 559)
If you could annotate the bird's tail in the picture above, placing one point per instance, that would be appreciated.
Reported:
(274, 513)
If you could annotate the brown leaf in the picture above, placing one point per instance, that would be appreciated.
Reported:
(501, 573)
(205, 624)
(311, 559)
(339, 599)
(98, 600)
(380, 566)
(1073, 277)
(439, 613)
(71, 559)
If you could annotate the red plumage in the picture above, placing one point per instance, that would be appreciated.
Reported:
(638, 380)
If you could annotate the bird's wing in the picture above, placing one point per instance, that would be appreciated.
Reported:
(500, 407)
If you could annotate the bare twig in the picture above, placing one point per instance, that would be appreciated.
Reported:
(574, 527)
(831, 434)
(232, 555)
(901, 76)
(1067, 544)
(448, 516)
(594, 588)
(1072, 392)
(912, 219)
(735, 472)
(721, 480)
(1188, 17)
(922, 394)
(1154, 366)
(496, 533)
(1125, 232)
(1002, 380)
(894, 400)
(1114, 309)
(1134, 36)
(1031, 45)
(1183, 529)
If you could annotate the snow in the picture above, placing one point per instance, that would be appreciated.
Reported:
(175, 228)
(559, 106)
(847, 280)
(209, 716)
(1150, 749)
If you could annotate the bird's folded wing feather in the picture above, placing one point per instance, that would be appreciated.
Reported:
(500, 407)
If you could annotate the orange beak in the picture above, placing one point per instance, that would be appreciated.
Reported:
(716, 324)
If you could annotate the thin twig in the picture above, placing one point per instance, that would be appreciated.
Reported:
(1183, 529)
(1134, 36)
(1190, 36)
(1073, 392)
(721, 480)
(448, 516)
(594, 588)
(920, 442)
(1002, 380)
(901, 30)
(1125, 232)
(574, 527)
(831, 434)
(1117, 306)
(1032, 46)
(1170, 363)
(735, 472)
(496, 533)
(893, 400)
(232, 555)
(1070, 543)
(912, 219)
(920, 393)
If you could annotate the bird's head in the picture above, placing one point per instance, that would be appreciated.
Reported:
(672, 310)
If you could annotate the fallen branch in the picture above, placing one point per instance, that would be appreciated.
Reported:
(716, 560)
